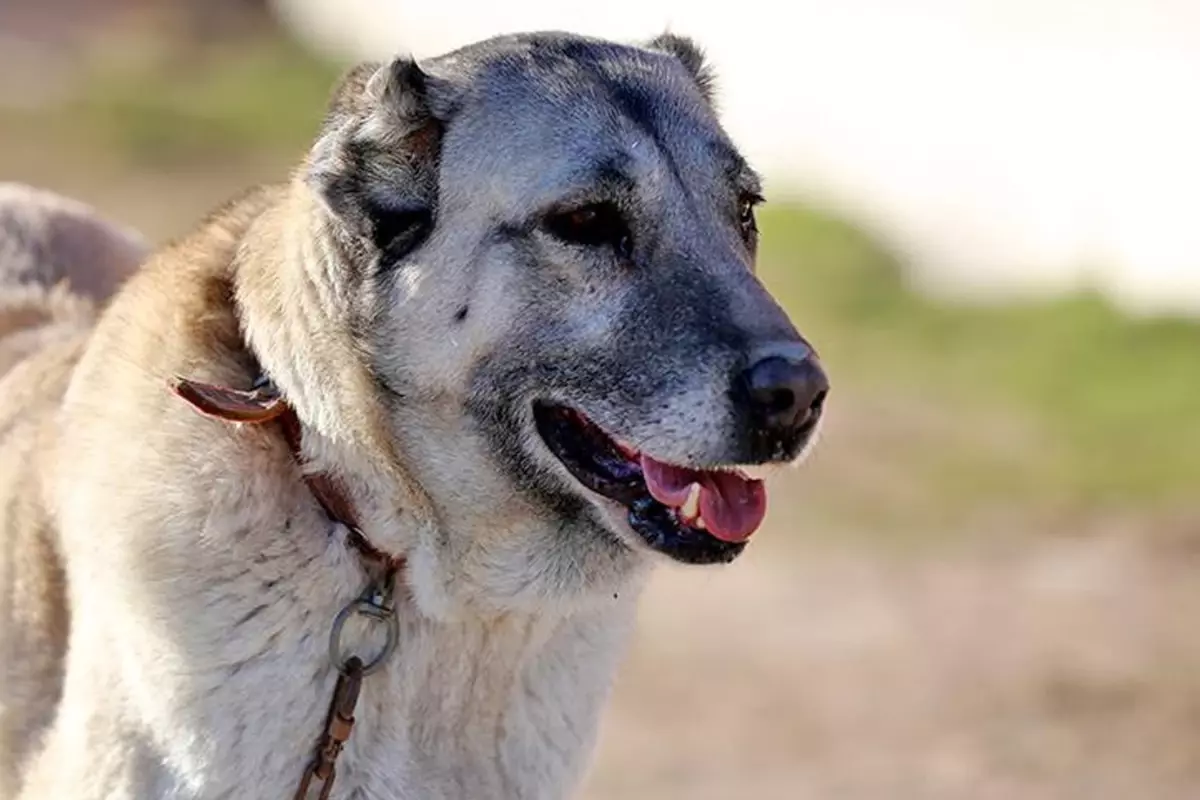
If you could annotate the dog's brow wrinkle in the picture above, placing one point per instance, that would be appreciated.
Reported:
(604, 175)
(749, 180)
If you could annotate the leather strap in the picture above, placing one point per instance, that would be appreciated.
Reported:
(339, 723)
(262, 404)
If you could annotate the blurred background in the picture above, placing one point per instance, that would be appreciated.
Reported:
(986, 213)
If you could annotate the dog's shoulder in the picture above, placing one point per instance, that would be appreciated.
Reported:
(179, 311)
(176, 316)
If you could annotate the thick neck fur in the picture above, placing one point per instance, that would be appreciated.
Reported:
(291, 292)
(205, 578)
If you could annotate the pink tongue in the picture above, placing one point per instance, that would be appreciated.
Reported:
(731, 505)
(669, 485)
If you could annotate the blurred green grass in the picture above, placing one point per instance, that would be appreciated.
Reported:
(153, 107)
(1111, 403)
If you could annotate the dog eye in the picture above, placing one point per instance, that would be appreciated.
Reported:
(593, 225)
(397, 232)
(747, 223)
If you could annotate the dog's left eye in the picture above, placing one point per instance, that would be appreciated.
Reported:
(747, 223)
(593, 225)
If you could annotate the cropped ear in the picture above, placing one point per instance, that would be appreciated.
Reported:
(692, 58)
(375, 161)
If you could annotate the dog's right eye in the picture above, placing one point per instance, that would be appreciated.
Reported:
(593, 225)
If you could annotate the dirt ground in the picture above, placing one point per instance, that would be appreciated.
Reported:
(1062, 670)
(1003, 661)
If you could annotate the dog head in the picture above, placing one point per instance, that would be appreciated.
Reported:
(545, 246)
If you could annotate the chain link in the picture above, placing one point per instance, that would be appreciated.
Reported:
(375, 604)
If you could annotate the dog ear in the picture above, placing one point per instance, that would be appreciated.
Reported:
(691, 56)
(375, 161)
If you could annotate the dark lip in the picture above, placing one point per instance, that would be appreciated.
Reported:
(605, 468)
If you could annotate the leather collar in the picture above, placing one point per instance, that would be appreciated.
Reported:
(262, 404)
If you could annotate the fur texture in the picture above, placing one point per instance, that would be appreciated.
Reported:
(171, 581)
(58, 257)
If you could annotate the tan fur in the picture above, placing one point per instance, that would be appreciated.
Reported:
(58, 258)
(201, 574)
(46, 239)
(33, 611)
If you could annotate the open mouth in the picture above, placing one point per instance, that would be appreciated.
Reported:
(692, 515)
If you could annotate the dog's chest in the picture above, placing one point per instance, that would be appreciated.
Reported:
(507, 710)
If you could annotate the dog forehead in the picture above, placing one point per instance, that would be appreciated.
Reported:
(556, 108)
(556, 66)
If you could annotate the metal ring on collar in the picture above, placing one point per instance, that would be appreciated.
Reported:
(372, 612)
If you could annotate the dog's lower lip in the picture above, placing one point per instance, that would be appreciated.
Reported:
(615, 471)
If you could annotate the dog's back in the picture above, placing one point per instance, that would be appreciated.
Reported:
(59, 262)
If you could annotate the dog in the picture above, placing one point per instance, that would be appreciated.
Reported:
(350, 492)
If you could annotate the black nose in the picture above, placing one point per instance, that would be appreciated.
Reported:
(785, 392)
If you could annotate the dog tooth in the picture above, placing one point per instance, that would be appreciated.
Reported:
(757, 471)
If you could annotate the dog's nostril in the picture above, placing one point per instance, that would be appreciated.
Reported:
(818, 402)
(780, 400)
(813, 412)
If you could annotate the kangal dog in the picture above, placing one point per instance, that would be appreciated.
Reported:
(352, 489)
